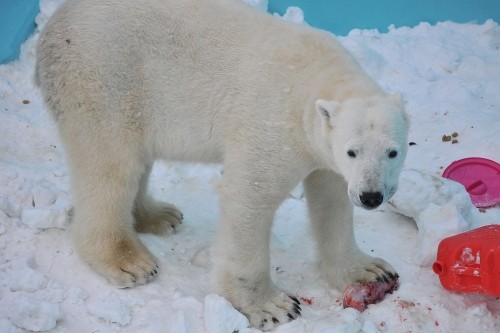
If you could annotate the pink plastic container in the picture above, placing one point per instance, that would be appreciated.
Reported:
(470, 261)
(480, 177)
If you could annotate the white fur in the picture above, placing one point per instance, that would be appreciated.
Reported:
(133, 81)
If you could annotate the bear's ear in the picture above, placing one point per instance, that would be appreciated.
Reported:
(327, 109)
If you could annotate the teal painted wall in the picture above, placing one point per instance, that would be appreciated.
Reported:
(341, 16)
(338, 16)
(17, 22)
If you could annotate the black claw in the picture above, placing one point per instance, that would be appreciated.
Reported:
(289, 316)
(276, 321)
(386, 280)
(295, 300)
(393, 276)
(297, 308)
(379, 279)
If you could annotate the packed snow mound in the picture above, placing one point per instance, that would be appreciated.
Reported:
(111, 309)
(33, 314)
(417, 190)
(293, 14)
(439, 206)
(221, 317)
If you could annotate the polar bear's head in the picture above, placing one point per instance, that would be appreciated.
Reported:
(365, 140)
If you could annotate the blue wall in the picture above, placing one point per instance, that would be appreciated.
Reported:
(17, 22)
(341, 16)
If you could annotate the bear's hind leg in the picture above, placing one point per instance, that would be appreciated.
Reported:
(105, 185)
(152, 216)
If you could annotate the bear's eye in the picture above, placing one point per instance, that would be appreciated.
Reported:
(351, 153)
(393, 154)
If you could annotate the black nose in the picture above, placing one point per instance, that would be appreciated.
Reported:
(371, 199)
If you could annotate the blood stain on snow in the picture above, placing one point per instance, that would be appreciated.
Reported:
(308, 301)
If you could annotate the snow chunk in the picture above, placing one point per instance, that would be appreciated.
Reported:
(439, 206)
(45, 218)
(249, 330)
(43, 197)
(7, 327)
(187, 316)
(345, 321)
(492, 34)
(112, 309)
(417, 190)
(369, 327)
(11, 209)
(21, 275)
(221, 317)
(467, 258)
(33, 314)
(294, 14)
(28, 280)
(434, 224)
(3, 222)
(478, 310)
(7, 174)
(75, 295)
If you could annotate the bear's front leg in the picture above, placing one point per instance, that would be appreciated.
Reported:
(343, 263)
(249, 198)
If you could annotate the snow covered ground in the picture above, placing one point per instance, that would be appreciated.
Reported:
(450, 78)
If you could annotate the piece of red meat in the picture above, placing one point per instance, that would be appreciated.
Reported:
(359, 296)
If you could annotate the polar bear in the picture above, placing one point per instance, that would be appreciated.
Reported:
(133, 81)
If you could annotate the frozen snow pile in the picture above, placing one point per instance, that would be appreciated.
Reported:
(448, 74)
(420, 190)
(34, 314)
(221, 317)
(439, 206)
(293, 14)
(23, 281)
